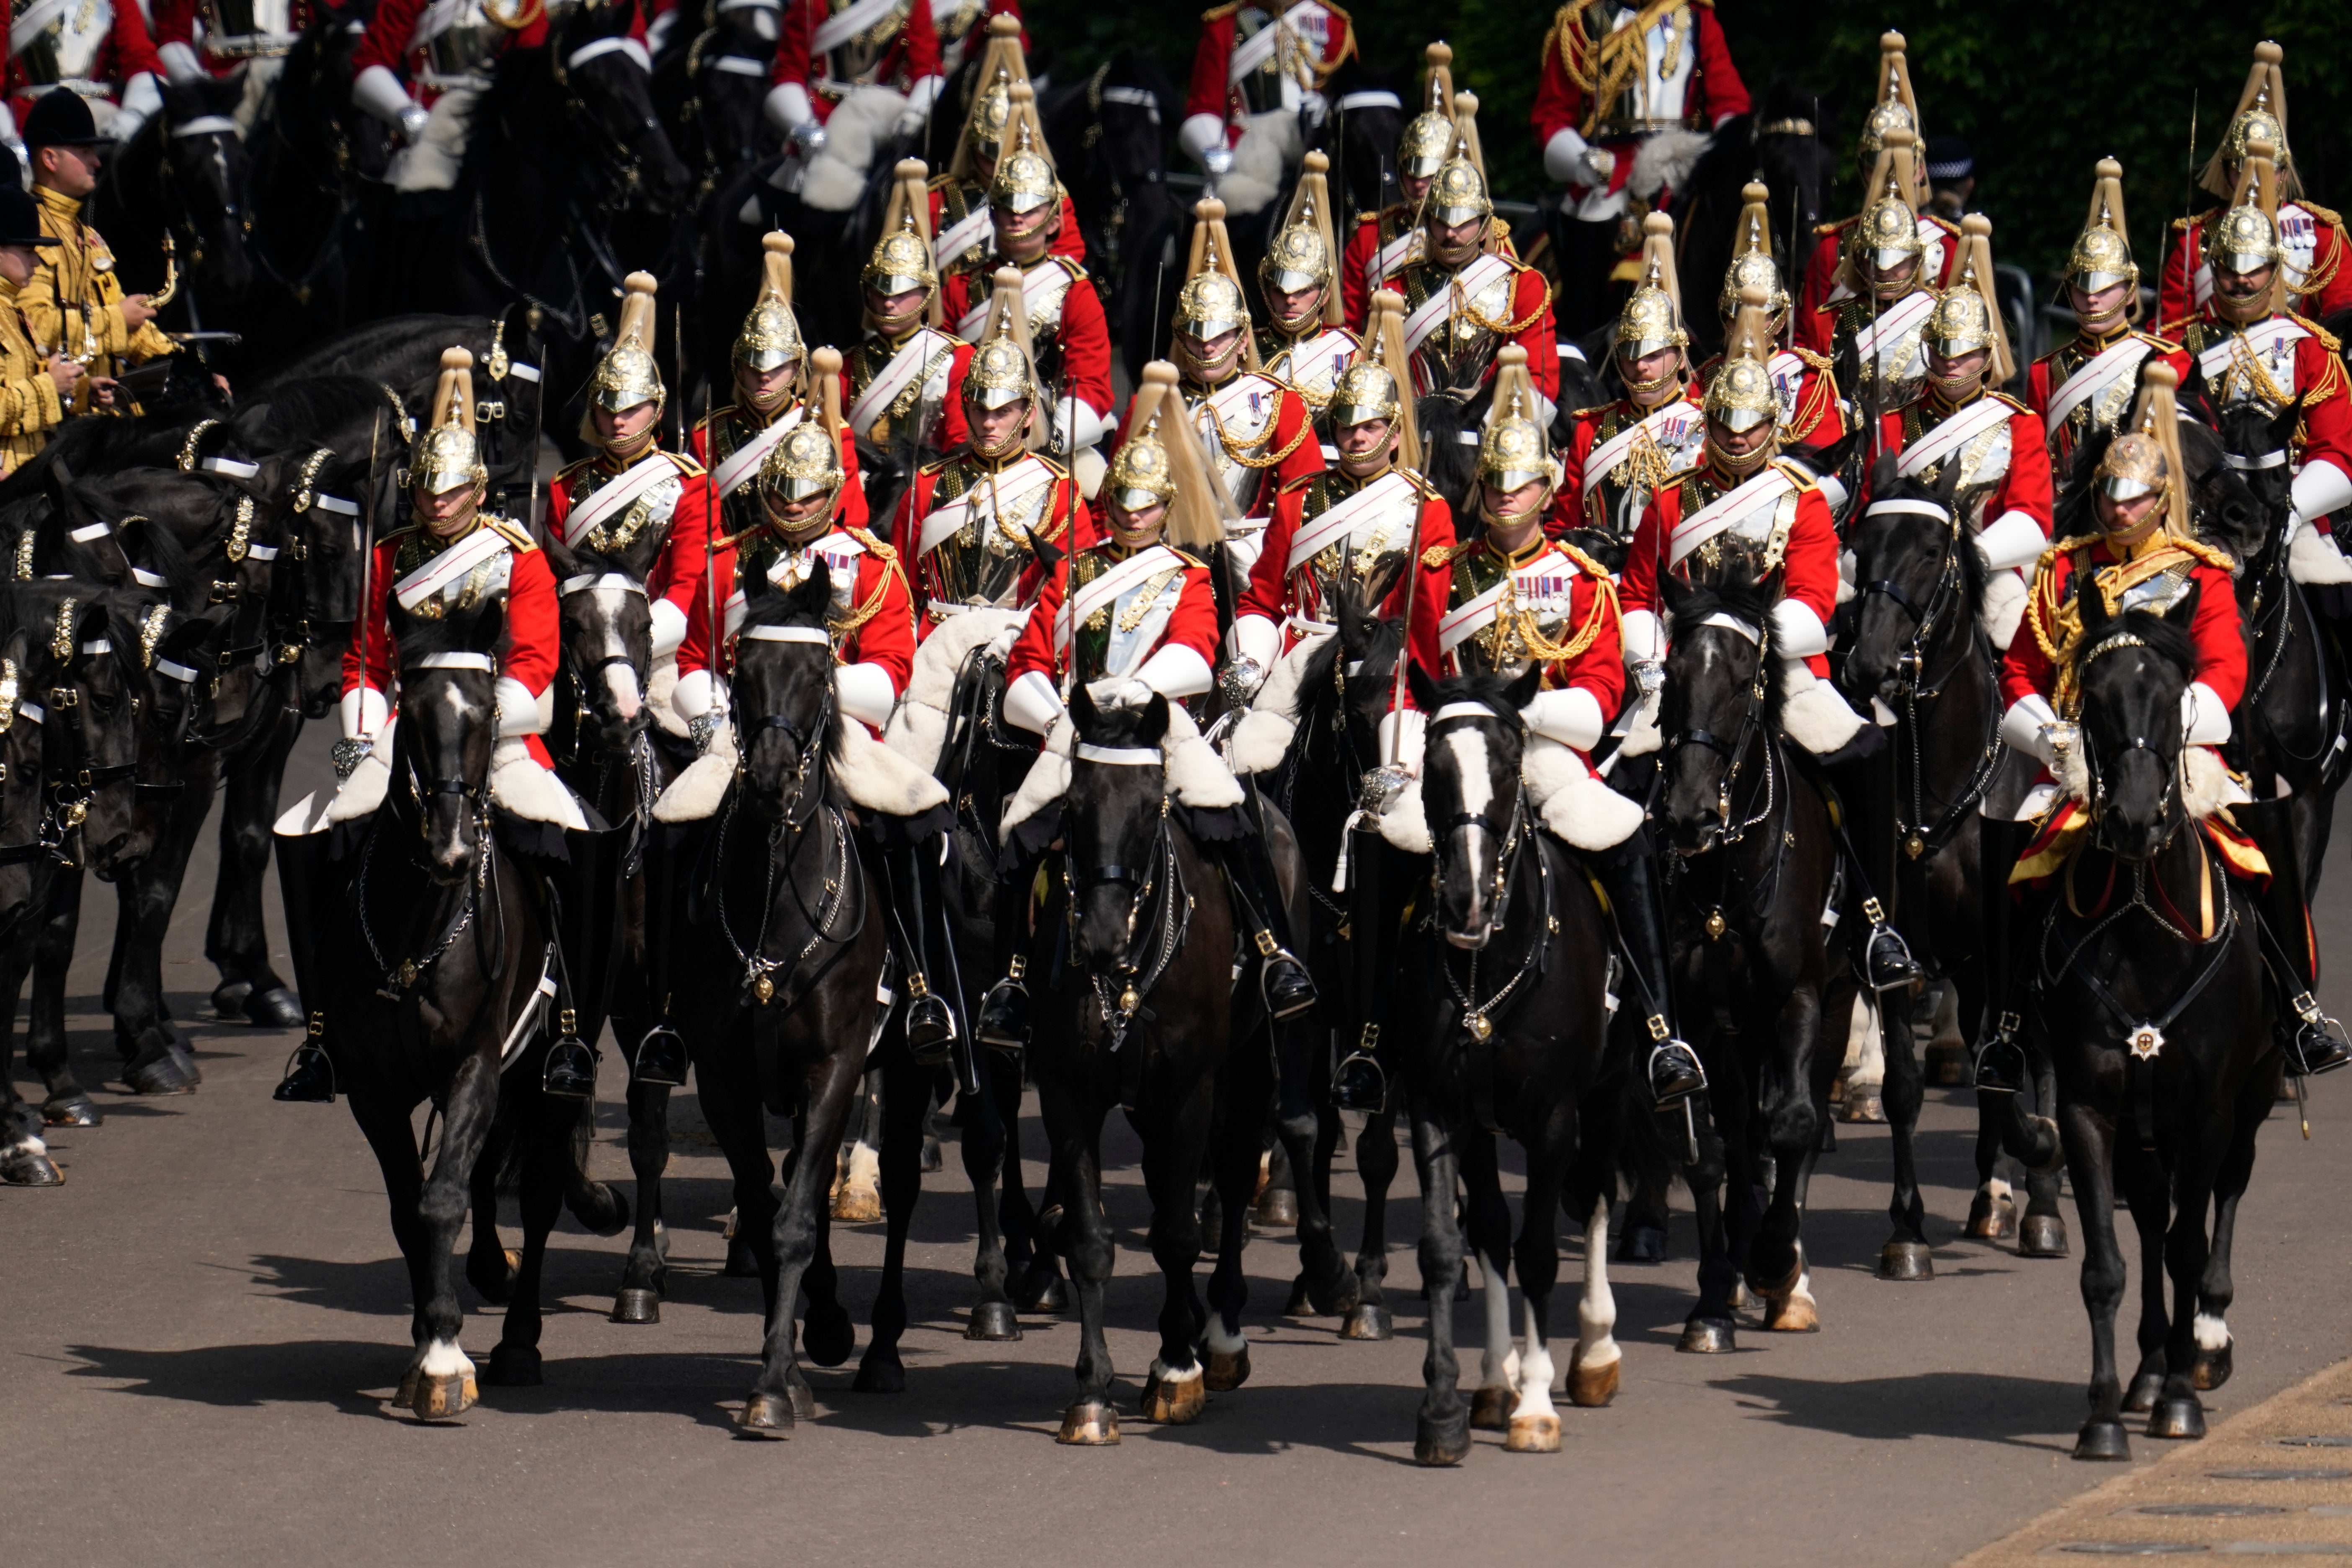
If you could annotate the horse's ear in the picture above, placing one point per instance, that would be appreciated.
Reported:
(1153, 726)
(2281, 427)
(560, 559)
(814, 596)
(1882, 474)
(1424, 689)
(1083, 715)
(1522, 691)
(188, 640)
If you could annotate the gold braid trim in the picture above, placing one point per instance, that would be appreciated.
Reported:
(847, 627)
(2058, 625)
(1438, 555)
(1240, 453)
(1505, 328)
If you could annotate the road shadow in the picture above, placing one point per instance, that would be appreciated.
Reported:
(1972, 1407)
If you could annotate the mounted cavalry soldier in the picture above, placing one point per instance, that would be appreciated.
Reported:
(1884, 286)
(450, 557)
(1129, 617)
(771, 366)
(1333, 526)
(1615, 79)
(2249, 349)
(983, 520)
(2313, 249)
(1742, 489)
(828, 50)
(1302, 344)
(1466, 296)
(1067, 330)
(803, 527)
(201, 38)
(961, 225)
(1384, 241)
(1622, 452)
(2139, 552)
(1997, 441)
(1257, 432)
(1805, 382)
(1260, 63)
(37, 389)
(98, 51)
(905, 374)
(1832, 280)
(74, 303)
(2089, 384)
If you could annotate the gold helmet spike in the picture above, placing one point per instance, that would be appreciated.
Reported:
(989, 116)
(1652, 318)
(2261, 116)
(1306, 249)
(770, 335)
(1741, 396)
(1212, 303)
(1025, 171)
(450, 456)
(2145, 456)
(1429, 136)
(1515, 449)
(2246, 238)
(626, 375)
(1467, 146)
(902, 259)
(1752, 257)
(1004, 367)
(807, 461)
(1458, 192)
(1140, 474)
(1888, 229)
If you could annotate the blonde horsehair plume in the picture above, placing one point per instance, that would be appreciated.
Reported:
(2265, 89)
(1895, 86)
(1465, 132)
(1023, 129)
(1001, 62)
(1658, 261)
(1440, 97)
(824, 364)
(1891, 174)
(453, 395)
(1213, 246)
(1196, 521)
(2107, 198)
(638, 327)
(1386, 343)
(2258, 181)
(2158, 414)
(1515, 389)
(775, 268)
(1311, 204)
(1752, 328)
(1755, 231)
(1976, 271)
(1008, 318)
(910, 208)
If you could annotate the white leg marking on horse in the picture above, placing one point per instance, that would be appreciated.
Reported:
(1222, 1340)
(1190, 1374)
(1865, 1049)
(2212, 1332)
(1535, 1368)
(622, 680)
(1494, 1367)
(444, 1359)
(2001, 1191)
(864, 1164)
(1596, 1311)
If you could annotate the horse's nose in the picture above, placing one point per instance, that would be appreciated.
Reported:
(621, 679)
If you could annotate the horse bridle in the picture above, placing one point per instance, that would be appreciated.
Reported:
(1735, 752)
(1164, 876)
(2169, 801)
(68, 787)
(583, 673)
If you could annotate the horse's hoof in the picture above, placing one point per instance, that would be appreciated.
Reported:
(160, 1072)
(1088, 1424)
(828, 1335)
(1741, 1300)
(1905, 1260)
(634, 1304)
(933, 1161)
(1370, 1321)
(30, 1167)
(1862, 1105)
(803, 1400)
(992, 1321)
(2145, 1389)
(1043, 1292)
(1592, 1387)
(2042, 1236)
(1642, 1244)
(742, 1263)
(1171, 1402)
(2103, 1440)
(766, 1416)
(275, 1008)
(229, 1000)
(2178, 1416)
(441, 1397)
(1490, 1409)
(1795, 1313)
(516, 1366)
(2211, 1369)
(71, 1109)
(880, 1374)
(1228, 1369)
(1991, 1218)
(1439, 1443)
(857, 1205)
(1278, 1209)
(1708, 1336)
(496, 1288)
(1301, 1303)
(407, 1395)
(1772, 1287)
(1336, 1295)
(1532, 1434)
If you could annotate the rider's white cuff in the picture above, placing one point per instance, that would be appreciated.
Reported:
(365, 712)
(2321, 488)
(921, 96)
(1032, 702)
(141, 99)
(697, 692)
(1080, 424)
(787, 106)
(2024, 727)
(179, 63)
(2204, 717)
(1255, 637)
(2013, 538)
(518, 711)
(1572, 717)
(1177, 671)
(1564, 158)
(1797, 632)
(1832, 491)
(1645, 637)
(378, 91)
(1411, 728)
(670, 627)
(864, 692)
(1199, 133)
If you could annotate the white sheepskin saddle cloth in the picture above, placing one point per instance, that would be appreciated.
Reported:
(1197, 776)
(1262, 739)
(835, 179)
(1574, 803)
(518, 785)
(432, 164)
(1270, 147)
(918, 730)
(869, 774)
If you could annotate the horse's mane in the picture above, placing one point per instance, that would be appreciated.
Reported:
(1492, 690)
(1973, 574)
(282, 416)
(2168, 639)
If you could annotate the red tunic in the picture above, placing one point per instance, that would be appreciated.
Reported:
(177, 21)
(2221, 644)
(2045, 376)
(1082, 333)
(1531, 310)
(128, 51)
(1816, 319)
(913, 54)
(1568, 504)
(1193, 624)
(853, 485)
(1809, 567)
(884, 639)
(527, 653)
(1068, 524)
(1713, 94)
(2324, 434)
(2330, 281)
(2025, 487)
(676, 574)
(1212, 90)
(1600, 670)
(391, 42)
(953, 430)
(1276, 593)
(1356, 266)
(1293, 427)
(1810, 416)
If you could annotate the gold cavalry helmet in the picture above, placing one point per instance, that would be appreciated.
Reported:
(1458, 193)
(807, 462)
(1429, 135)
(901, 261)
(1140, 474)
(2133, 466)
(999, 375)
(1754, 269)
(1888, 233)
(989, 115)
(1297, 260)
(626, 375)
(2256, 124)
(1024, 182)
(1366, 391)
(1882, 118)
(2101, 258)
(770, 335)
(1960, 323)
(1211, 305)
(1512, 452)
(449, 456)
(2244, 240)
(1647, 324)
(1741, 395)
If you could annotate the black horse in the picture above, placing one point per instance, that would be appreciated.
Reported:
(1782, 144)
(1107, 137)
(181, 182)
(1507, 1023)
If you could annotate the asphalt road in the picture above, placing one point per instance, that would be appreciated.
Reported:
(203, 1325)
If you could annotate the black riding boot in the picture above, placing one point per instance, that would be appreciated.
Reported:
(570, 1072)
(913, 875)
(2008, 950)
(1628, 876)
(2311, 1041)
(1282, 979)
(1880, 952)
(302, 869)
(661, 1056)
(1005, 1011)
(1359, 1082)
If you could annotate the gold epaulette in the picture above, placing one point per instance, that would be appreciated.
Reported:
(937, 466)
(511, 531)
(1078, 273)
(687, 467)
(1600, 409)
(873, 545)
(2327, 340)
(942, 182)
(1818, 361)
(1188, 558)
(1413, 477)
(1291, 487)
(2218, 559)
(1438, 555)
(1796, 471)
(2057, 547)
(1214, 12)
(717, 413)
(569, 469)
(2333, 220)
(2013, 402)
(1836, 226)
(2161, 344)
(1591, 567)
